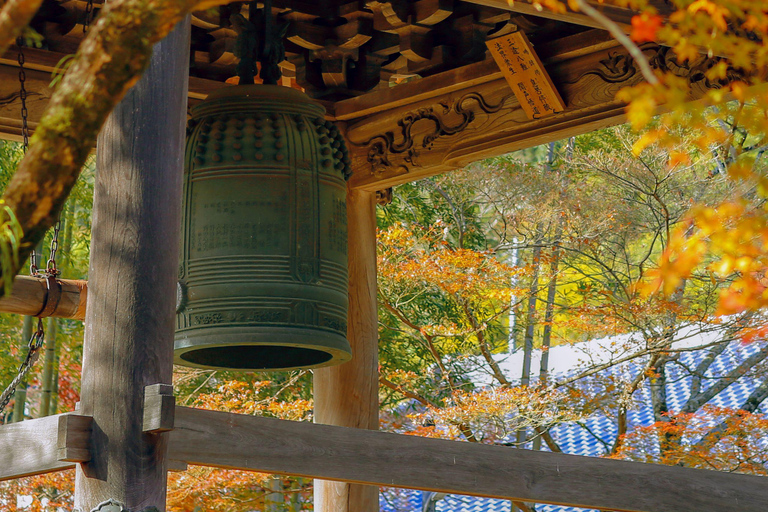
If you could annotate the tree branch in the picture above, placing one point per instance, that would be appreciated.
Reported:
(15, 15)
(109, 61)
(408, 394)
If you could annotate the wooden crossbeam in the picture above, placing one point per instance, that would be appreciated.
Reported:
(30, 295)
(622, 16)
(236, 441)
(43, 445)
(233, 441)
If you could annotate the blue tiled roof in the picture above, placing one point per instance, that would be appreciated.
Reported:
(576, 440)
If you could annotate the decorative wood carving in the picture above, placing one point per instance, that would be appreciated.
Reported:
(453, 129)
(446, 119)
(384, 196)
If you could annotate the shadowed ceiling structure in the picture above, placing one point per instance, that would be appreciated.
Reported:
(411, 84)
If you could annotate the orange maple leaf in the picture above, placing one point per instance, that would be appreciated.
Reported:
(645, 26)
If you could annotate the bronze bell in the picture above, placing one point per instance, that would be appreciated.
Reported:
(263, 273)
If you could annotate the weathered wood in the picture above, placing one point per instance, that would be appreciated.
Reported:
(159, 408)
(347, 395)
(74, 438)
(38, 95)
(39, 65)
(29, 295)
(274, 446)
(32, 447)
(525, 74)
(134, 254)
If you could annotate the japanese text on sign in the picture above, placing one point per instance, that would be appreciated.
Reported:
(526, 75)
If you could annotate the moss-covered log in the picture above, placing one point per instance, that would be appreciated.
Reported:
(15, 15)
(108, 63)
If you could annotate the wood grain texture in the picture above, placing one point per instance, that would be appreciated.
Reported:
(74, 438)
(525, 74)
(29, 293)
(30, 448)
(159, 408)
(38, 95)
(347, 395)
(275, 446)
(39, 65)
(134, 258)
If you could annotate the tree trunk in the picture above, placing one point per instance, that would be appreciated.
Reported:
(20, 395)
(129, 322)
(273, 501)
(48, 362)
(530, 328)
(347, 395)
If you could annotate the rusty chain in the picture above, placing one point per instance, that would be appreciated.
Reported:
(88, 16)
(38, 337)
(33, 352)
(33, 270)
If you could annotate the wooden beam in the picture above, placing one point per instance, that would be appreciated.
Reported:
(129, 321)
(38, 94)
(44, 445)
(622, 16)
(483, 119)
(347, 395)
(268, 445)
(30, 294)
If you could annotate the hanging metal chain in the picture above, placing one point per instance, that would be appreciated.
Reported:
(51, 268)
(33, 270)
(88, 16)
(33, 352)
(23, 94)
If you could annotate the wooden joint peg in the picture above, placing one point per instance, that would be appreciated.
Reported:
(159, 408)
(74, 438)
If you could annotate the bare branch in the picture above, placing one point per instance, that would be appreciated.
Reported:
(621, 37)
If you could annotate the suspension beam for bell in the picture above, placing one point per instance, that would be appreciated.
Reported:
(31, 296)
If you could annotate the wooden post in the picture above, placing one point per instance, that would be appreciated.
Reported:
(134, 259)
(347, 395)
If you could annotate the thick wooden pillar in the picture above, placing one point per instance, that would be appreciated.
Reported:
(347, 395)
(134, 259)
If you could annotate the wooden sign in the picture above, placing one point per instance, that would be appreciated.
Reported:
(526, 75)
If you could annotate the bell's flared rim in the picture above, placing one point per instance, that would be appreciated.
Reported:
(288, 348)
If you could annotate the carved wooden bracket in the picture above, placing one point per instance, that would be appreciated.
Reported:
(452, 129)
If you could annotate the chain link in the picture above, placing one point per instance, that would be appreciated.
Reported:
(51, 268)
(33, 352)
(23, 94)
(88, 16)
(33, 270)
(37, 339)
